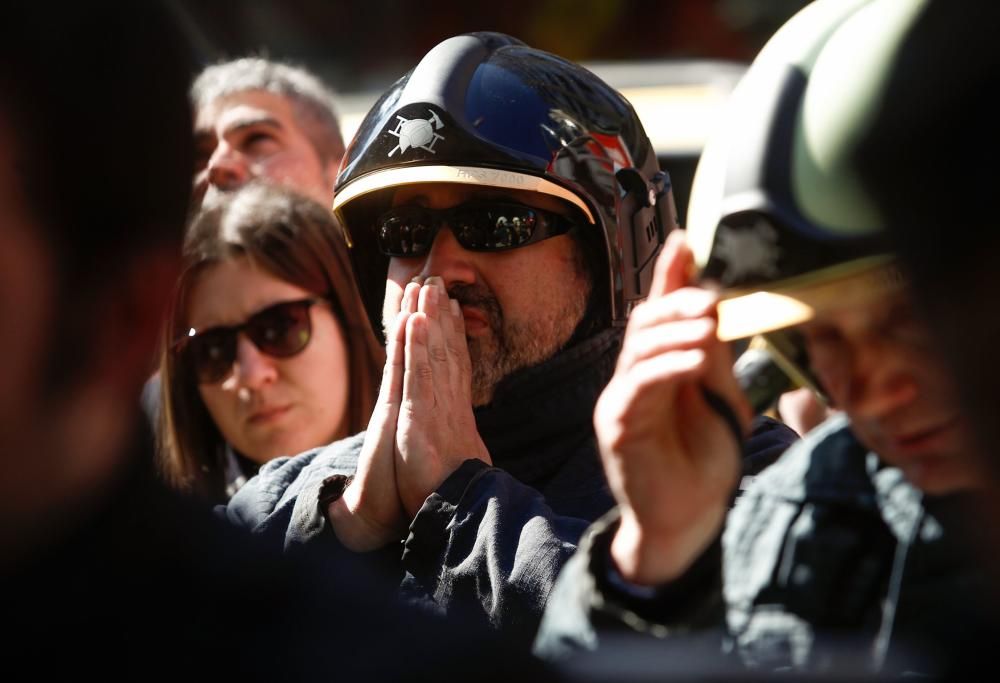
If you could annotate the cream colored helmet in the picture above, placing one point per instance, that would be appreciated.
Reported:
(778, 218)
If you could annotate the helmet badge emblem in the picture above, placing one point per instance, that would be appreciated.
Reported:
(752, 251)
(417, 133)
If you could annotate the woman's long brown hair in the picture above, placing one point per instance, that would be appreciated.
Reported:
(296, 240)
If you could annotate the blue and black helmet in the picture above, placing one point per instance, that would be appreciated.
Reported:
(485, 109)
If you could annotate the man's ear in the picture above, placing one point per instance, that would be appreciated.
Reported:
(133, 319)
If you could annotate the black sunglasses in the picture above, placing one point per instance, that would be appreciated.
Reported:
(409, 231)
(280, 331)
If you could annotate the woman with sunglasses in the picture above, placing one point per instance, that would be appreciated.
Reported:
(267, 351)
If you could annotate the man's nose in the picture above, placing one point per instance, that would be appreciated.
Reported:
(879, 386)
(252, 368)
(449, 260)
(227, 168)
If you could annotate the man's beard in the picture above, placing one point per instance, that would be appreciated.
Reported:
(512, 345)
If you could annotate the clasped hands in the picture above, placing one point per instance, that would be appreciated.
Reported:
(422, 428)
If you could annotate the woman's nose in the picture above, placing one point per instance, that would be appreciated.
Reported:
(252, 368)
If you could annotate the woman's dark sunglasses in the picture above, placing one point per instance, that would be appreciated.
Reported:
(409, 231)
(281, 331)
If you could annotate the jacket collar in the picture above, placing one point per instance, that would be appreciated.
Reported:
(542, 415)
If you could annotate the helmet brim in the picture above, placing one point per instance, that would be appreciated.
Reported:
(798, 300)
(461, 175)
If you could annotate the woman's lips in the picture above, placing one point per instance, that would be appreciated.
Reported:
(269, 414)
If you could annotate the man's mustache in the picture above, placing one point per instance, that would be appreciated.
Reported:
(481, 298)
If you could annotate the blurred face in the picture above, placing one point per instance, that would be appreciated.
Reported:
(267, 406)
(25, 303)
(59, 447)
(877, 364)
(255, 134)
(520, 306)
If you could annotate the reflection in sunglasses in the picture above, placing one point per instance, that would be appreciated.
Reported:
(409, 231)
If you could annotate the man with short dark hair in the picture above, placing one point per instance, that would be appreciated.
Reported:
(258, 118)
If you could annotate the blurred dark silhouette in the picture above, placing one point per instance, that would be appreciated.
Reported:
(929, 160)
(105, 573)
(930, 163)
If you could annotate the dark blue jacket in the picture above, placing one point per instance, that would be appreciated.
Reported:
(829, 562)
(488, 544)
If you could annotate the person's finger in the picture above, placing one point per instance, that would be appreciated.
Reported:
(673, 266)
(670, 337)
(681, 304)
(720, 380)
(432, 297)
(457, 319)
(457, 349)
(650, 388)
(418, 389)
(391, 388)
(672, 368)
(394, 300)
(410, 296)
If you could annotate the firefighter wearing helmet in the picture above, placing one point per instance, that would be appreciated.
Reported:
(504, 209)
(839, 559)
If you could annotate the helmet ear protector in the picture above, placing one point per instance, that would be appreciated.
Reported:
(646, 215)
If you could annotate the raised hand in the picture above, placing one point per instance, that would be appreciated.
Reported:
(671, 460)
(370, 514)
(436, 430)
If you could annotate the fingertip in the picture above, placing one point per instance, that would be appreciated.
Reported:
(410, 295)
(416, 328)
(698, 302)
(674, 266)
(398, 325)
(692, 358)
(675, 240)
(394, 298)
